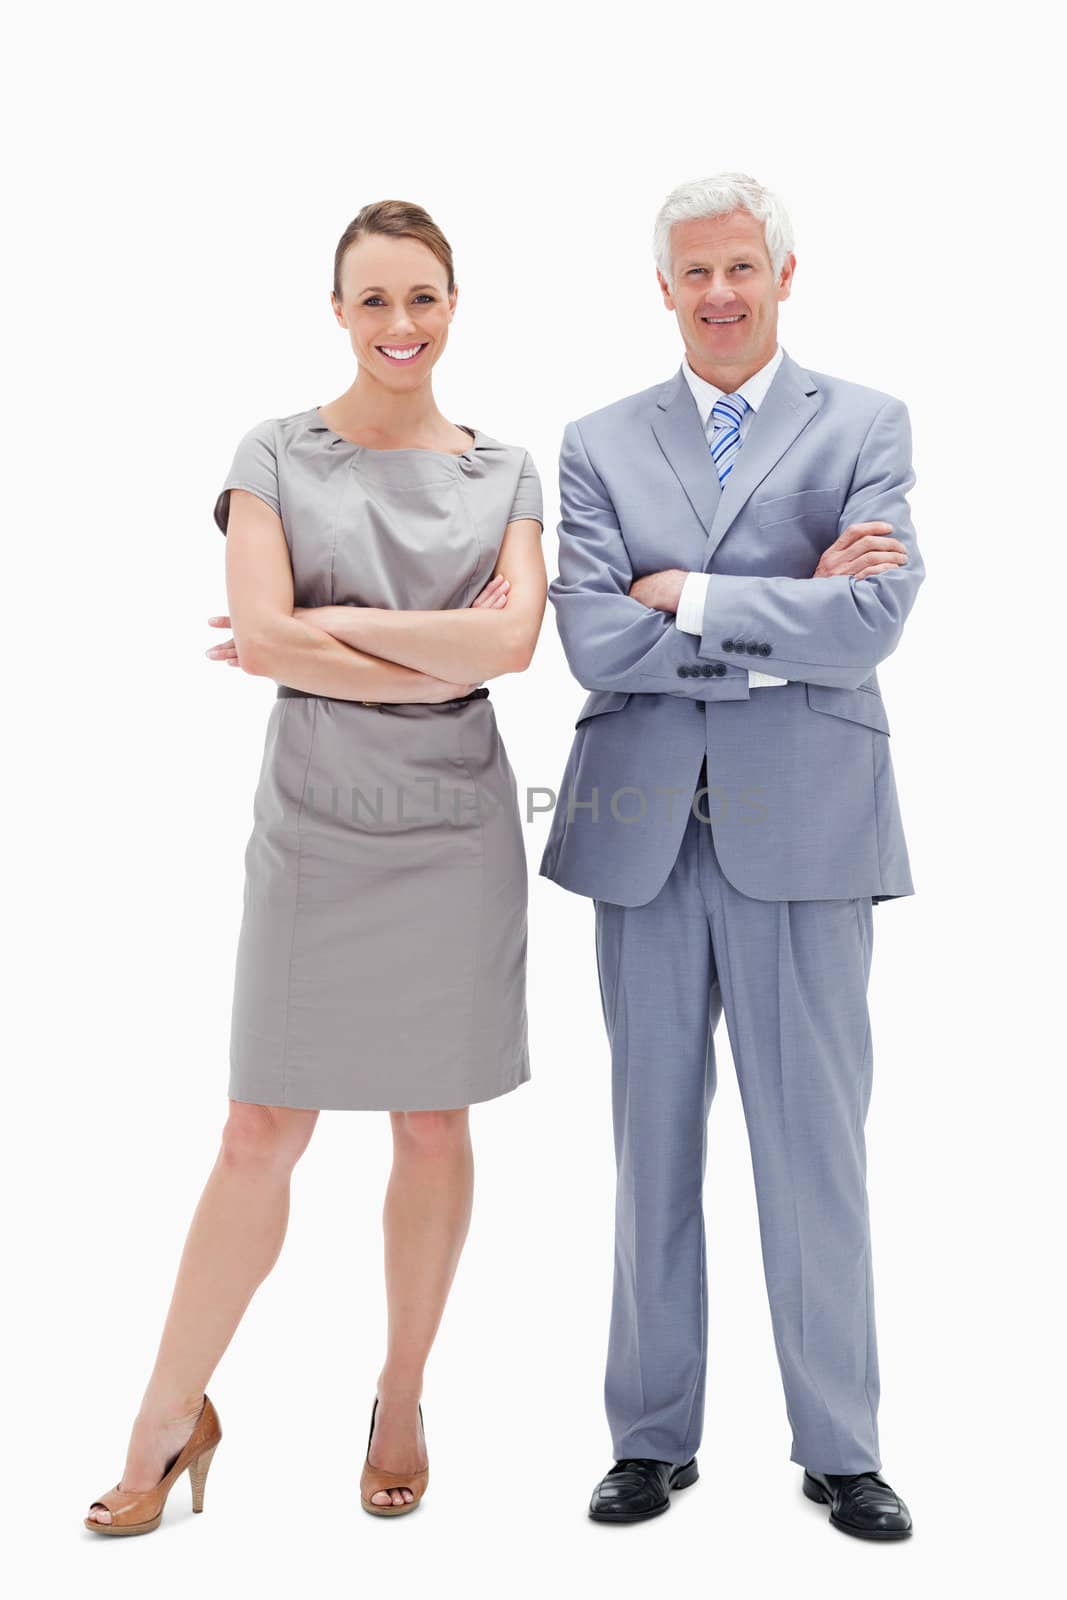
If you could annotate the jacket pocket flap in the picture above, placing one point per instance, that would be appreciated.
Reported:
(786, 507)
(856, 705)
(602, 700)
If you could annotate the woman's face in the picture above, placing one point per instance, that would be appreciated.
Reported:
(394, 302)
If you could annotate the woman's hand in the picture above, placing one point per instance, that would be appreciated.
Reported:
(495, 594)
(491, 599)
(223, 652)
(494, 597)
(228, 651)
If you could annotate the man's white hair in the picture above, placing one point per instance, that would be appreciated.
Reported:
(715, 197)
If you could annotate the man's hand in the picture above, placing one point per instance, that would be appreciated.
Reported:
(861, 551)
(660, 591)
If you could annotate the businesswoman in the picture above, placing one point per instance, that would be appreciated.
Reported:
(381, 562)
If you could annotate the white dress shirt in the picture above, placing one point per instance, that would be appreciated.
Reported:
(690, 613)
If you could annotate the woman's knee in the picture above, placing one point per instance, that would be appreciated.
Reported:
(432, 1133)
(256, 1135)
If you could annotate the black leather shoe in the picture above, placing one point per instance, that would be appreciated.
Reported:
(861, 1503)
(637, 1488)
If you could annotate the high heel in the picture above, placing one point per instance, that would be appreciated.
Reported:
(375, 1479)
(141, 1510)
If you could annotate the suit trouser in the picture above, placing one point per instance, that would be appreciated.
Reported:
(791, 977)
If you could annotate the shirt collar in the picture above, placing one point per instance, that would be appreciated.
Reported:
(752, 390)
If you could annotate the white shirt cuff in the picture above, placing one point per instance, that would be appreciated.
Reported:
(690, 614)
(690, 618)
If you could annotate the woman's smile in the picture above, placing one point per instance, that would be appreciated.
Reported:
(398, 354)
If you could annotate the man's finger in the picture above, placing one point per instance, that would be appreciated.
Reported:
(897, 557)
(884, 562)
(856, 530)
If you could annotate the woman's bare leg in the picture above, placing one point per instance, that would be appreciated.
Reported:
(234, 1240)
(427, 1214)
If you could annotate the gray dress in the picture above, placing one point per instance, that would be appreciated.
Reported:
(381, 962)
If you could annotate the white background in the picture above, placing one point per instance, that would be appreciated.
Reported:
(180, 180)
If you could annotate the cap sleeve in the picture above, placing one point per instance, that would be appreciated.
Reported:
(527, 502)
(255, 467)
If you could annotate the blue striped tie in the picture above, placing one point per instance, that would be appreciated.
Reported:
(725, 442)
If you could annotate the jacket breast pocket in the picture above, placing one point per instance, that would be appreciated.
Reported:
(601, 700)
(855, 705)
(807, 505)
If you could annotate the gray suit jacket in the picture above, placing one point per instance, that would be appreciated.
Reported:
(802, 799)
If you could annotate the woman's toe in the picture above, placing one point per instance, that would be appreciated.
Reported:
(392, 1497)
(98, 1513)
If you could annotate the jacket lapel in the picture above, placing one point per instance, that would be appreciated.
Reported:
(787, 408)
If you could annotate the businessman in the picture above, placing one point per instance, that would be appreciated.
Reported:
(736, 559)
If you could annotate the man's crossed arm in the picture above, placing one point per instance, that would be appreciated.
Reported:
(620, 633)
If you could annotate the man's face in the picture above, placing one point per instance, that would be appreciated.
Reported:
(725, 296)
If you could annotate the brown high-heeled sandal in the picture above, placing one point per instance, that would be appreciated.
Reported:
(375, 1479)
(140, 1510)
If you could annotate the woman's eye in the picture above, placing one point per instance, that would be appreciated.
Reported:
(376, 299)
